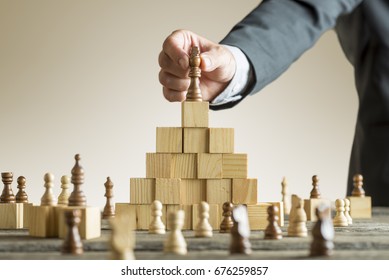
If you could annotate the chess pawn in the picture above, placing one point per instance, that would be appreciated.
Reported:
(175, 242)
(315, 193)
(227, 222)
(63, 198)
(285, 196)
(273, 231)
(240, 232)
(299, 221)
(21, 195)
(323, 233)
(77, 196)
(156, 225)
(122, 241)
(109, 210)
(7, 195)
(347, 211)
(48, 198)
(203, 229)
(72, 243)
(358, 190)
(340, 219)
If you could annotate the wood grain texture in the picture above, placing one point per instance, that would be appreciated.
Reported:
(258, 215)
(219, 191)
(11, 215)
(234, 166)
(209, 166)
(214, 215)
(193, 191)
(128, 212)
(360, 207)
(168, 190)
(244, 191)
(169, 140)
(142, 190)
(194, 114)
(43, 221)
(184, 166)
(311, 204)
(143, 216)
(188, 219)
(221, 140)
(158, 165)
(196, 140)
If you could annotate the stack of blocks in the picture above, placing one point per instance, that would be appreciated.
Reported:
(194, 163)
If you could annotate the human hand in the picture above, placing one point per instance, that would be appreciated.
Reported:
(217, 66)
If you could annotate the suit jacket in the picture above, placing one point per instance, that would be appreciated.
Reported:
(277, 32)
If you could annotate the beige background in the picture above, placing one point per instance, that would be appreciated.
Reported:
(82, 77)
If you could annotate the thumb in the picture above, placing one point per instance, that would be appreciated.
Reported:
(217, 57)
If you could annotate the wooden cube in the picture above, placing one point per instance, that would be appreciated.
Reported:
(219, 191)
(142, 190)
(128, 211)
(143, 216)
(258, 215)
(209, 166)
(43, 221)
(193, 191)
(234, 165)
(188, 215)
(311, 204)
(360, 207)
(184, 166)
(214, 216)
(244, 191)
(26, 214)
(11, 215)
(90, 225)
(196, 140)
(171, 165)
(169, 140)
(168, 190)
(194, 114)
(221, 140)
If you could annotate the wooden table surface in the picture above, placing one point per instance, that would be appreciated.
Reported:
(364, 239)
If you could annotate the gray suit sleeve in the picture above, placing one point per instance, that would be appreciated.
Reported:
(277, 32)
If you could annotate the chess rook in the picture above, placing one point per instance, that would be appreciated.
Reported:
(7, 195)
(72, 243)
(77, 197)
(194, 92)
(109, 209)
(21, 195)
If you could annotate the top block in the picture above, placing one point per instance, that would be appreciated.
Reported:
(194, 114)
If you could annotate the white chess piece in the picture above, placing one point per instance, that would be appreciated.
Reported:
(286, 200)
(63, 198)
(48, 198)
(175, 242)
(203, 228)
(299, 220)
(156, 225)
(292, 214)
(347, 211)
(122, 239)
(340, 219)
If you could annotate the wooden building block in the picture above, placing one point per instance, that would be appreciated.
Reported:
(90, 225)
(171, 165)
(196, 140)
(143, 216)
(209, 166)
(258, 215)
(219, 191)
(244, 191)
(214, 216)
(26, 214)
(169, 140)
(221, 140)
(184, 166)
(188, 215)
(194, 114)
(360, 207)
(11, 215)
(193, 191)
(142, 190)
(311, 204)
(127, 211)
(168, 190)
(43, 221)
(234, 165)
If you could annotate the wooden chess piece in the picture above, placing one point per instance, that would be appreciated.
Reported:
(340, 219)
(273, 231)
(122, 241)
(21, 195)
(63, 198)
(240, 232)
(48, 198)
(227, 222)
(323, 233)
(7, 196)
(156, 225)
(175, 242)
(285, 196)
(299, 222)
(203, 228)
(72, 243)
(347, 211)
(77, 197)
(358, 190)
(315, 193)
(109, 209)
(194, 92)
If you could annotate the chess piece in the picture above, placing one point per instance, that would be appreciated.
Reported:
(122, 240)
(323, 233)
(21, 195)
(285, 196)
(273, 231)
(203, 228)
(315, 193)
(7, 195)
(298, 223)
(227, 222)
(358, 190)
(48, 198)
(63, 198)
(347, 211)
(72, 243)
(109, 210)
(240, 232)
(156, 226)
(77, 197)
(292, 213)
(340, 219)
(175, 242)
(194, 92)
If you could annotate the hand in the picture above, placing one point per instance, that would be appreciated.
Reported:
(217, 66)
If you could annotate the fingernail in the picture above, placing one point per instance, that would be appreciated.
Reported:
(183, 63)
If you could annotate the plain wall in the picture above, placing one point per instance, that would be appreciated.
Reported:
(81, 76)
